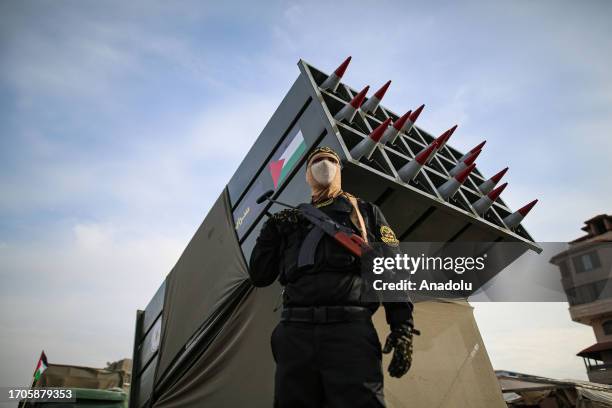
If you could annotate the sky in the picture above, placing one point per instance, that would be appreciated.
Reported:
(121, 122)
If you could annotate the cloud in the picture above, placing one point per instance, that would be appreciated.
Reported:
(77, 52)
(98, 213)
(77, 298)
(533, 338)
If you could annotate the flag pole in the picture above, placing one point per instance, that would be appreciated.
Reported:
(42, 359)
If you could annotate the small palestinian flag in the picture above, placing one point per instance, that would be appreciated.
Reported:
(41, 366)
(279, 169)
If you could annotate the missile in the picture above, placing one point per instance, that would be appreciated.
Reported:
(486, 186)
(391, 133)
(516, 217)
(445, 136)
(348, 111)
(442, 139)
(333, 79)
(366, 146)
(409, 171)
(406, 123)
(412, 119)
(450, 187)
(486, 201)
(372, 103)
(462, 165)
(475, 149)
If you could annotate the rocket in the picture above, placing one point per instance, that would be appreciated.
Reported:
(450, 187)
(412, 168)
(412, 119)
(442, 139)
(486, 186)
(391, 133)
(333, 79)
(372, 103)
(516, 217)
(486, 201)
(475, 149)
(348, 111)
(366, 146)
(445, 136)
(463, 164)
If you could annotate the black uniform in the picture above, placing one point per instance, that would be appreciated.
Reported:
(326, 348)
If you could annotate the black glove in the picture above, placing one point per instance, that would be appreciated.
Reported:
(285, 220)
(269, 230)
(400, 340)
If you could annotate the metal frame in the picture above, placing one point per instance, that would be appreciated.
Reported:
(431, 176)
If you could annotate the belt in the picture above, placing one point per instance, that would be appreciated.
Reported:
(325, 314)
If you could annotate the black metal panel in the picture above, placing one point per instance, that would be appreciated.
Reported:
(135, 381)
(150, 345)
(154, 308)
(440, 226)
(145, 386)
(280, 122)
(309, 127)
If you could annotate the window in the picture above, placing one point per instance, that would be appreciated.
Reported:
(565, 272)
(604, 288)
(607, 327)
(571, 296)
(590, 292)
(586, 262)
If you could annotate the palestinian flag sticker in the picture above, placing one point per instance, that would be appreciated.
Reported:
(280, 168)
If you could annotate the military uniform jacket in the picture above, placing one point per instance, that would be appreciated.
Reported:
(335, 277)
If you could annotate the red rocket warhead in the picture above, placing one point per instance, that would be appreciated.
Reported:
(381, 92)
(358, 99)
(440, 139)
(472, 157)
(499, 175)
(415, 115)
(380, 130)
(478, 147)
(450, 132)
(465, 173)
(495, 193)
(525, 210)
(399, 124)
(443, 138)
(342, 68)
(423, 156)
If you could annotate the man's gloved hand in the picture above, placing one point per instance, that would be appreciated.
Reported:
(400, 341)
(285, 220)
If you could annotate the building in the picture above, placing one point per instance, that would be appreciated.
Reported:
(124, 368)
(101, 387)
(585, 274)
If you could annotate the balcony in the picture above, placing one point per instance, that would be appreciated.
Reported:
(597, 362)
(600, 373)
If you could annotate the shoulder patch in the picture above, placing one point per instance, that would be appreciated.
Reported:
(388, 236)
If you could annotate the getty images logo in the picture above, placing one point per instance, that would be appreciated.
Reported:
(413, 264)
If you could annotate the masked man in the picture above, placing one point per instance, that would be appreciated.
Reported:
(326, 349)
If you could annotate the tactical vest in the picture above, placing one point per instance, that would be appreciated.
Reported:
(329, 255)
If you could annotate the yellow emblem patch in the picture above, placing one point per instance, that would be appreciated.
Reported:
(388, 236)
